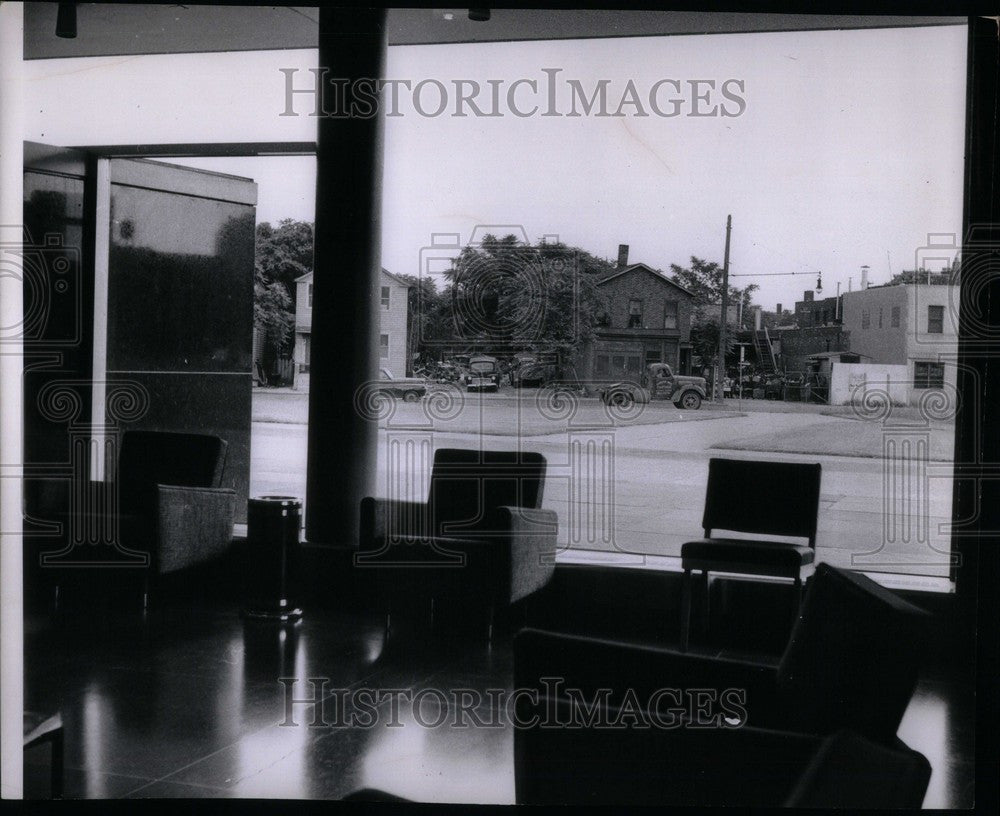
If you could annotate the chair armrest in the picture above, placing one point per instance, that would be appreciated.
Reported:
(194, 524)
(383, 520)
(849, 771)
(589, 664)
(533, 545)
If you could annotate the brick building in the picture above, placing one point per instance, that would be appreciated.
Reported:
(648, 320)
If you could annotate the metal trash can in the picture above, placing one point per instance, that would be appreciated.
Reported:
(273, 524)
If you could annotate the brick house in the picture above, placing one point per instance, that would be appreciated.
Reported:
(648, 320)
(393, 325)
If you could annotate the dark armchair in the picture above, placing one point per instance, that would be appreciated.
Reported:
(851, 665)
(163, 507)
(852, 662)
(481, 538)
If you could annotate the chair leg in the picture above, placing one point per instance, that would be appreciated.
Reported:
(145, 593)
(493, 610)
(704, 625)
(797, 600)
(686, 611)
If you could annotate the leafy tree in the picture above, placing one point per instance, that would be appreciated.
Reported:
(282, 254)
(703, 279)
(429, 316)
(285, 252)
(539, 297)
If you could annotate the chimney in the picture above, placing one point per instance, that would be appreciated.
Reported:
(864, 277)
(807, 296)
(777, 310)
(757, 318)
(622, 256)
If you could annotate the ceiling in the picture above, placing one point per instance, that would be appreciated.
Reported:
(108, 29)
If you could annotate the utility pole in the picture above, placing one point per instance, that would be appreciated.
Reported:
(720, 369)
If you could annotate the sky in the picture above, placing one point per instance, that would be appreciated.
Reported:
(849, 152)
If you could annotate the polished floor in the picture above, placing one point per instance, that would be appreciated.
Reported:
(188, 703)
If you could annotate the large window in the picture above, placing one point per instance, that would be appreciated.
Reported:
(658, 456)
(383, 346)
(385, 297)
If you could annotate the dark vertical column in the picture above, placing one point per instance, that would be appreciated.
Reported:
(342, 445)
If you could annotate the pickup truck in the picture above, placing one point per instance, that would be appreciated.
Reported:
(658, 382)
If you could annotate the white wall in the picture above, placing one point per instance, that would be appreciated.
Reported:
(851, 381)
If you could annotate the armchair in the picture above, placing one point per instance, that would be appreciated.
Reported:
(852, 662)
(481, 537)
(171, 512)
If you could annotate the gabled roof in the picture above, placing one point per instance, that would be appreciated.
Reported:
(650, 270)
(309, 275)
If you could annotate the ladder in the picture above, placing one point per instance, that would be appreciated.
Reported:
(765, 354)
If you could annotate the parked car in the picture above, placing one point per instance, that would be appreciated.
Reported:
(483, 374)
(658, 382)
(410, 389)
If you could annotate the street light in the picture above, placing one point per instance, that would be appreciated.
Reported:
(819, 283)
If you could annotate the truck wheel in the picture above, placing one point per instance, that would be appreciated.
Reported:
(621, 399)
(690, 401)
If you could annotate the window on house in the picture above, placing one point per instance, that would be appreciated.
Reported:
(935, 319)
(602, 365)
(866, 319)
(635, 314)
(385, 297)
(880, 317)
(383, 346)
(654, 356)
(928, 375)
(895, 317)
(670, 314)
(309, 295)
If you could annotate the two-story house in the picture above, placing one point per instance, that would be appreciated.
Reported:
(393, 326)
(648, 320)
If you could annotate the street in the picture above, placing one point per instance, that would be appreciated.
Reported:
(636, 484)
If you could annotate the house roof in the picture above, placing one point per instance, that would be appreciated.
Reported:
(650, 270)
(308, 277)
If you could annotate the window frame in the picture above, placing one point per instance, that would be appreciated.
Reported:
(667, 303)
(638, 314)
(924, 381)
(937, 321)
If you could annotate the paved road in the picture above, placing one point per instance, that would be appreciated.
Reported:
(638, 487)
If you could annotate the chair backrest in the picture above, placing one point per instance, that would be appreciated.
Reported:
(766, 498)
(468, 486)
(854, 655)
(151, 458)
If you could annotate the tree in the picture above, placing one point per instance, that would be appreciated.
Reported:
(282, 254)
(703, 279)
(285, 252)
(541, 298)
(429, 320)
